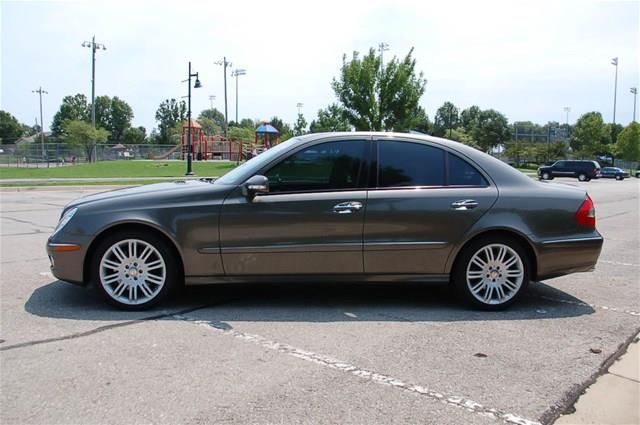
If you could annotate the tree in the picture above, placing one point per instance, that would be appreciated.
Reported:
(10, 128)
(121, 116)
(134, 135)
(82, 134)
(169, 113)
(300, 127)
(241, 133)
(330, 119)
(469, 118)
(104, 117)
(73, 108)
(491, 129)
(214, 115)
(247, 123)
(627, 146)
(377, 98)
(590, 133)
(282, 127)
(209, 126)
(446, 118)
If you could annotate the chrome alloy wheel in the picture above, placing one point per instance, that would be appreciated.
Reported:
(494, 274)
(132, 271)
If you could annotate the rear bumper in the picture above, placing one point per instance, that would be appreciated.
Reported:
(559, 257)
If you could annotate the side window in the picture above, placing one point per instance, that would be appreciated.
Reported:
(560, 164)
(461, 173)
(409, 164)
(325, 166)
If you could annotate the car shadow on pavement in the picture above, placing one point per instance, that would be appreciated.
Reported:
(305, 302)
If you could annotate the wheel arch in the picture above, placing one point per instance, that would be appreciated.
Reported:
(509, 232)
(128, 226)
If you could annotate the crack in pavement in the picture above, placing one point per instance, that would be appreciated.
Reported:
(28, 222)
(100, 329)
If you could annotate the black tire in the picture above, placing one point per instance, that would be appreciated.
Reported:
(546, 176)
(583, 177)
(172, 268)
(458, 274)
(619, 178)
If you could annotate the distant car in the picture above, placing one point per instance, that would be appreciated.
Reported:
(334, 206)
(614, 173)
(582, 170)
(637, 174)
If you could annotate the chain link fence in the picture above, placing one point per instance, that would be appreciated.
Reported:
(56, 154)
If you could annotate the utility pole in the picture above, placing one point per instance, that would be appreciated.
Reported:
(566, 111)
(382, 47)
(40, 93)
(93, 46)
(236, 74)
(614, 62)
(211, 99)
(225, 64)
(634, 90)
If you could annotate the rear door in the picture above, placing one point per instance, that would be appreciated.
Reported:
(422, 202)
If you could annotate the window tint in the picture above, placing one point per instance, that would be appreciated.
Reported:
(461, 173)
(409, 164)
(326, 166)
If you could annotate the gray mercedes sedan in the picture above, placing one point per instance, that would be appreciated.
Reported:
(337, 206)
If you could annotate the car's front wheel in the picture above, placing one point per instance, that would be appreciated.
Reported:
(619, 178)
(491, 273)
(583, 177)
(134, 270)
(546, 176)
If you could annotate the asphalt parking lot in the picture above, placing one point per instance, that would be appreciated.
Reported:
(335, 353)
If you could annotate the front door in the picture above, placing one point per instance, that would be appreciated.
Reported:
(420, 206)
(311, 220)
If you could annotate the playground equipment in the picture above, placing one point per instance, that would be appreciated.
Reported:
(205, 147)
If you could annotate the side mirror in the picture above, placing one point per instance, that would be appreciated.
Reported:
(256, 184)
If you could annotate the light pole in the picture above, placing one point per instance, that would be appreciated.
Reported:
(211, 99)
(41, 92)
(236, 74)
(196, 85)
(224, 65)
(93, 46)
(634, 90)
(567, 109)
(382, 47)
(614, 62)
(299, 106)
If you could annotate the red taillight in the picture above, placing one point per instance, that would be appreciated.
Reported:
(586, 214)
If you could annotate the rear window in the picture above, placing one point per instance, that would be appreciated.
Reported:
(461, 173)
(409, 164)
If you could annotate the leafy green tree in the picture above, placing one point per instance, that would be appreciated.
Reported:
(10, 128)
(82, 134)
(491, 129)
(280, 125)
(134, 135)
(73, 108)
(214, 115)
(300, 127)
(590, 134)
(121, 116)
(330, 119)
(469, 118)
(104, 119)
(209, 126)
(169, 113)
(446, 118)
(460, 135)
(247, 123)
(376, 97)
(627, 146)
(241, 133)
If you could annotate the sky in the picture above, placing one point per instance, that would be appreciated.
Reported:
(526, 59)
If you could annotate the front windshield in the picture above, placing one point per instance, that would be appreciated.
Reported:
(239, 174)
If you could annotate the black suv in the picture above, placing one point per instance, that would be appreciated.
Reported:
(583, 170)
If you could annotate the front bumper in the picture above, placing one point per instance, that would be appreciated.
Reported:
(559, 257)
(67, 261)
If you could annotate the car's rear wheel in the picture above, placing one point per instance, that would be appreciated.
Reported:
(583, 177)
(491, 273)
(619, 178)
(134, 270)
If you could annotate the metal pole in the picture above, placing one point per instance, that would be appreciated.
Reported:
(634, 90)
(450, 111)
(93, 94)
(548, 142)
(615, 91)
(40, 92)
(237, 98)
(226, 122)
(189, 158)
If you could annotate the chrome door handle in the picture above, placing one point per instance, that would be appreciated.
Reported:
(465, 204)
(347, 207)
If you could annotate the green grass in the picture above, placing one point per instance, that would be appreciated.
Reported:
(119, 169)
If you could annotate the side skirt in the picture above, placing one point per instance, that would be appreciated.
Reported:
(364, 278)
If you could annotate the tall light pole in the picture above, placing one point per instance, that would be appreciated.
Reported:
(224, 65)
(299, 106)
(567, 109)
(634, 90)
(382, 47)
(93, 46)
(195, 86)
(614, 62)
(236, 74)
(211, 99)
(41, 92)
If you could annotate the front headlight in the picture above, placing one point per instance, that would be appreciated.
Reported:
(66, 218)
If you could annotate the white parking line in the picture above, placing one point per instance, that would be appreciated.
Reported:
(580, 303)
(377, 378)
